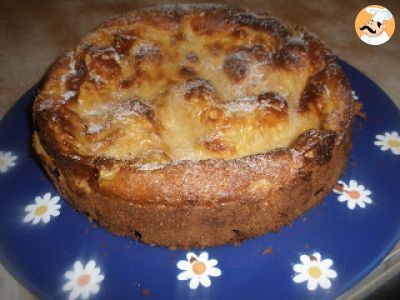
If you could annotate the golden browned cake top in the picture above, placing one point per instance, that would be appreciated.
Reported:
(192, 83)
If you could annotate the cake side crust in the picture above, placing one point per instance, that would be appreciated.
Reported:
(220, 196)
(267, 208)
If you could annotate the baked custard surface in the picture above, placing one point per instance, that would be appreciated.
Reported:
(194, 125)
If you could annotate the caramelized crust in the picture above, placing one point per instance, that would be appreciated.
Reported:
(174, 123)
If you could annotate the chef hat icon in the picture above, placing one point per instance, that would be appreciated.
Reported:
(379, 14)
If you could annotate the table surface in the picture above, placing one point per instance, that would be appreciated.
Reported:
(33, 33)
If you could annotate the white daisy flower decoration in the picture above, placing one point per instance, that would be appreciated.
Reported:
(354, 194)
(315, 271)
(391, 140)
(7, 160)
(43, 209)
(354, 95)
(198, 269)
(83, 281)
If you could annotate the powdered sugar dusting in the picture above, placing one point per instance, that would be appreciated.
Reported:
(118, 110)
(297, 39)
(94, 128)
(45, 104)
(72, 68)
(251, 103)
(148, 49)
(242, 105)
(68, 95)
(49, 102)
(151, 166)
(244, 60)
(188, 86)
(240, 55)
(108, 53)
(116, 57)
(252, 165)
(96, 78)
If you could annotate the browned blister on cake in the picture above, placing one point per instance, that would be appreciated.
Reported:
(194, 125)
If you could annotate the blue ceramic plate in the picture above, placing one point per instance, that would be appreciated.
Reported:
(57, 253)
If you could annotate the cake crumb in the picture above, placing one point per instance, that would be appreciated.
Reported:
(313, 258)
(338, 187)
(357, 110)
(145, 292)
(267, 251)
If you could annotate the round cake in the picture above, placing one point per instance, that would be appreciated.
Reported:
(194, 125)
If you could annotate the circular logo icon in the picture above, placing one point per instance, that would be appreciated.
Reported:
(374, 25)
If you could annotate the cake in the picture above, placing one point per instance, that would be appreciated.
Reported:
(194, 125)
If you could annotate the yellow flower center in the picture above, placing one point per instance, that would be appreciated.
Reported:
(198, 267)
(2, 162)
(314, 272)
(40, 210)
(353, 194)
(83, 279)
(394, 143)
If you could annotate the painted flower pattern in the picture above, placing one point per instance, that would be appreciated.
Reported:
(7, 161)
(315, 271)
(390, 140)
(354, 194)
(43, 209)
(83, 281)
(354, 95)
(198, 269)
